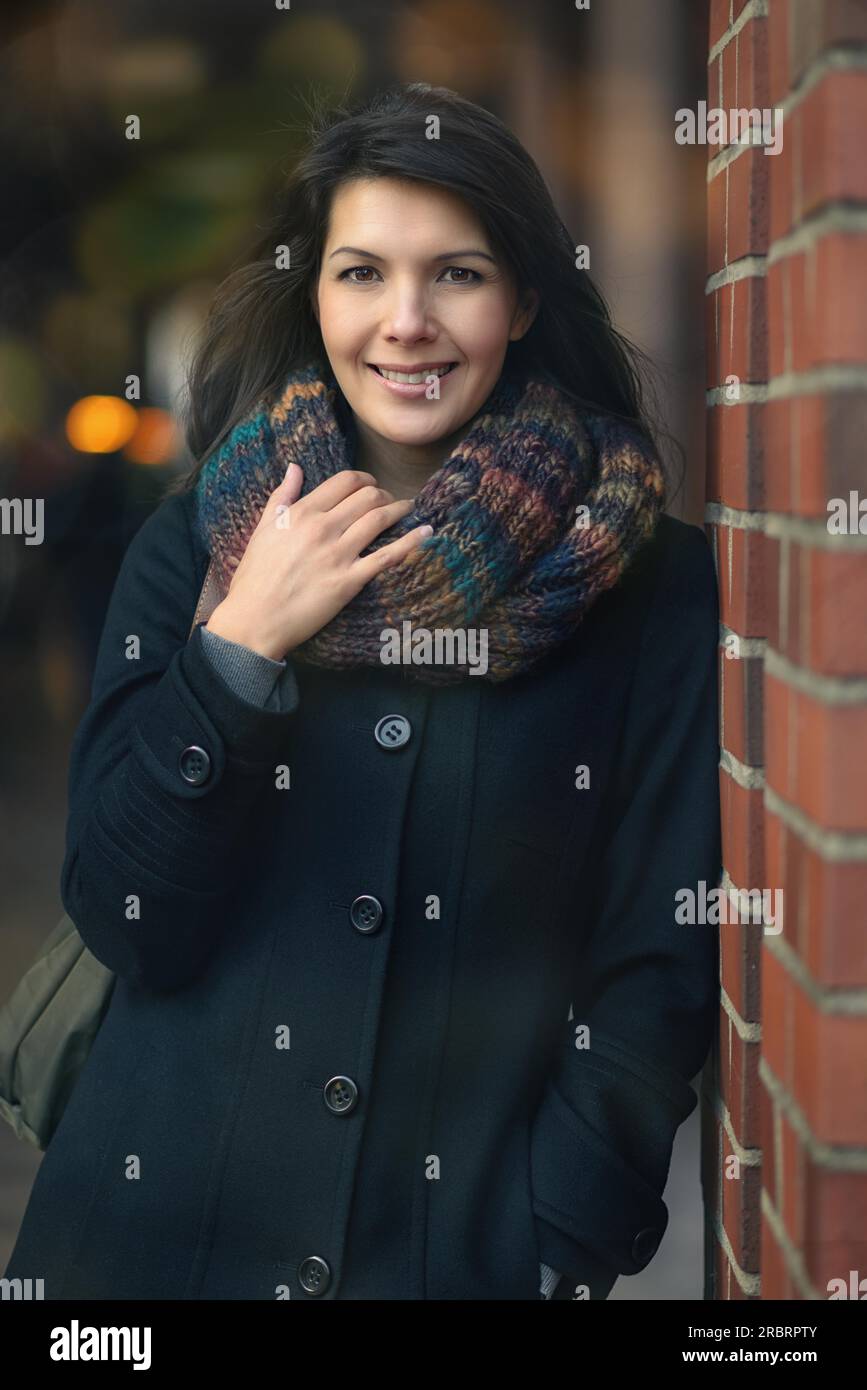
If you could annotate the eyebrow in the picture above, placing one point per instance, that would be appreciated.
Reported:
(447, 256)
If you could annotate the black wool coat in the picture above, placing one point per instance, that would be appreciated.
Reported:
(341, 1058)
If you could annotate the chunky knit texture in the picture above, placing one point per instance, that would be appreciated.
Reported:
(512, 555)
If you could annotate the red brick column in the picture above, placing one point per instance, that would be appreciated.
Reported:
(784, 1162)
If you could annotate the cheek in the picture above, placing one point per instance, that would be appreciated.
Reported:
(483, 330)
(341, 324)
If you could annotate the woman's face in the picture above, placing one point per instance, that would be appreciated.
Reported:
(409, 281)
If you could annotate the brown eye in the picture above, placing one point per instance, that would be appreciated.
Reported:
(351, 271)
(462, 270)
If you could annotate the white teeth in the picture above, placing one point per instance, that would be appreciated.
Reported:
(416, 378)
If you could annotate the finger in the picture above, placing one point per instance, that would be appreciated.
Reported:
(334, 489)
(372, 523)
(366, 504)
(284, 495)
(367, 566)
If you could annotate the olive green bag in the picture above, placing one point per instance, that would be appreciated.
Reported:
(48, 1026)
(46, 1032)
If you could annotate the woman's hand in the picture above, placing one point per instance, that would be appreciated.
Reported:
(302, 563)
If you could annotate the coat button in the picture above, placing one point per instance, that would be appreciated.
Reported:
(341, 1094)
(365, 913)
(392, 731)
(645, 1246)
(314, 1276)
(195, 765)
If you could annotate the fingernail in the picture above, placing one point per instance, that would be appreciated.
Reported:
(426, 530)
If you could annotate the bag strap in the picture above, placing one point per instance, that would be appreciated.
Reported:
(209, 597)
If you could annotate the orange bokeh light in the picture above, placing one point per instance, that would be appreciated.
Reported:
(100, 424)
(156, 438)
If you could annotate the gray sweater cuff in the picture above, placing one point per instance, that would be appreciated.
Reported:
(253, 677)
(550, 1280)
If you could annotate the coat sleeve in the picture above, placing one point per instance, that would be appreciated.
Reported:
(150, 853)
(645, 986)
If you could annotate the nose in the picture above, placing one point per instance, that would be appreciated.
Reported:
(407, 312)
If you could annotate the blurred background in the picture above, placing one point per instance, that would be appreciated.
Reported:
(110, 249)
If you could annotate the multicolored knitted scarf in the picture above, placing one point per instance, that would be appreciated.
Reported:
(536, 512)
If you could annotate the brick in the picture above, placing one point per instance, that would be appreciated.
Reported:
(815, 303)
(790, 598)
(741, 707)
(735, 455)
(782, 180)
(792, 1185)
(716, 221)
(829, 781)
(778, 852)
(815, 755)
(711, 339)
(740, 952)
(742, 557)
(800, 327)
(778, 1012)
(776, 1280)
(779, 310)
(834, 943)
(744, 330)
(749, 346)
(827, 1075)
(829, 460)
(832, 634)
(718, 20)
(778, 734)
(827, 1259)
(723, 1281)
(833, 119)
(752, 66)
(715, 93)
(835, 318)
(748, 176)
(835, 1213)
(766, 1136)
(773, 552)
(778, 51)
(780, 452)
(741, 815)
(728, 70)
(813, 28)
(824, 907)
(741, 1215)
(784, 873)
(740, 1088)
(813, 446)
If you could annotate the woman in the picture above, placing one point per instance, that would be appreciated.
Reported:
(384, 853)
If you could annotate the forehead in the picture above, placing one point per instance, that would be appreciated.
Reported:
(400, 209)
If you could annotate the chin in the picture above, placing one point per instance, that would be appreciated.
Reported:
(408, 440)
(413, 434)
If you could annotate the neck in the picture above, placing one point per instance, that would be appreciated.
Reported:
(403, 469)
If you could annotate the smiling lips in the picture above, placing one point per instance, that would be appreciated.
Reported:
(414, 375)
